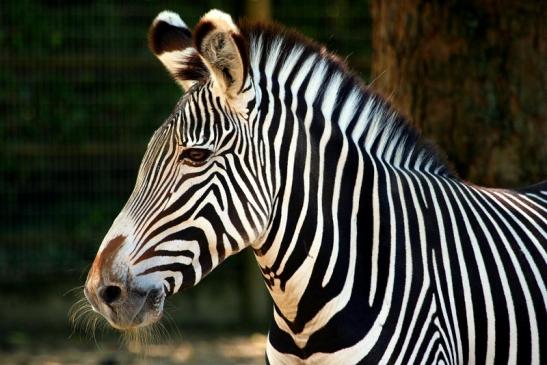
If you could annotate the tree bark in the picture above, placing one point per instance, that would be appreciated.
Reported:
(472, 75)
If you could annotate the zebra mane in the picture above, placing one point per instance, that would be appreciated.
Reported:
(385, 125)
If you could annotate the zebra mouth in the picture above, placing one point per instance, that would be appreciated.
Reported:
(151, 309)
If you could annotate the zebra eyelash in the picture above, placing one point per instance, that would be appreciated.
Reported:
(195, 156)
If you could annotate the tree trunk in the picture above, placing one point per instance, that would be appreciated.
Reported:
(472, 75)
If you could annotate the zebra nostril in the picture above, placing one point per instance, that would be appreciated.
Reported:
(111, 293)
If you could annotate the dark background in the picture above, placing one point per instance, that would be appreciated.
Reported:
(80, 95)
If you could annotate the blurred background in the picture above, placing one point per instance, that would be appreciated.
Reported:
(80, 95)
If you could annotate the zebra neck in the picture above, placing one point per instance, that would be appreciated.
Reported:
(337, 160)
(322, 256)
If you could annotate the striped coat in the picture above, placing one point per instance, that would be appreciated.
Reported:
(372, 249)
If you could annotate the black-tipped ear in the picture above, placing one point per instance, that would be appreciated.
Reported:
(224, 50)
(171, 41)
(168, 33)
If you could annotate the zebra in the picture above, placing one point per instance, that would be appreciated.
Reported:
(371, 247)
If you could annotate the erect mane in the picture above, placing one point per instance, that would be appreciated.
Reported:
(409, 141)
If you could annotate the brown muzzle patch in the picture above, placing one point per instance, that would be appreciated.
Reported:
(102, 265)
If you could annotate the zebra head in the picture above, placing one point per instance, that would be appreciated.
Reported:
(197, 199)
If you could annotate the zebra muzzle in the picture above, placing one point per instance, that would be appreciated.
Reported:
(117, 295)
(125, 307)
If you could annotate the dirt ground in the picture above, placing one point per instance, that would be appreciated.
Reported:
(220, 350)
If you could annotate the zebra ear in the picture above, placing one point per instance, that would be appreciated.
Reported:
(224, 50)
(171, 41)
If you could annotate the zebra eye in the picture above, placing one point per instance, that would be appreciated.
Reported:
(195, 156)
